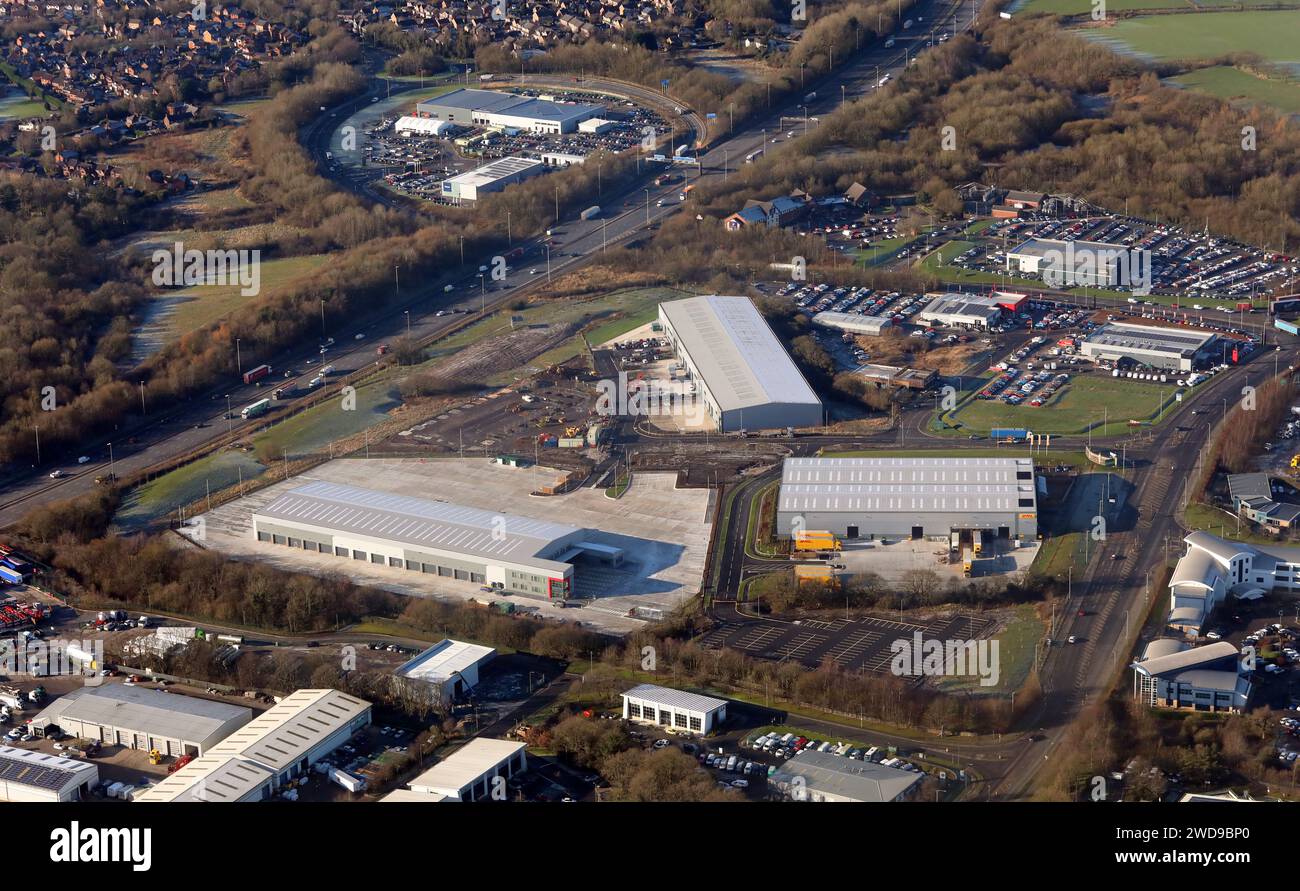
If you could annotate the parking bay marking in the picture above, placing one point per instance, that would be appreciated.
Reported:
(801, 645)
(757, 638)
(852, 646)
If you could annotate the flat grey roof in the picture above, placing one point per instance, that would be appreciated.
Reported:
(468, 99)
(905, 485)
(1040, 247)
(148, 710)
(1248, 486)
(740, 359)
(418, 522)
(496, 102)
(852, 321)
(496, 170)
(670, 698)
(968, 305)
(846, 777)
(1180, 341)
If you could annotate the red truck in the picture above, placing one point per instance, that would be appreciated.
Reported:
(256, 374)
(383, 349)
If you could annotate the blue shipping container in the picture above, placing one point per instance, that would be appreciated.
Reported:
(1016, 433)
(11, 575)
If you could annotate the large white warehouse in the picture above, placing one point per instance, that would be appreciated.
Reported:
(468, 187)
(745, 377)
(493, 108)
(912, 498)
(511, 553)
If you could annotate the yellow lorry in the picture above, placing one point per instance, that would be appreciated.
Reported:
(808, 540)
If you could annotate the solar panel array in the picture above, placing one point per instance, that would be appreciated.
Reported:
(37, 769)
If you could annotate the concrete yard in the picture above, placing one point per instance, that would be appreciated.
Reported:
(892, 559)
(663, 530)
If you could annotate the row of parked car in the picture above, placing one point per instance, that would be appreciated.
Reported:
(787, 745)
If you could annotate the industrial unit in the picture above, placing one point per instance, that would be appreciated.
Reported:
(492, 108)
(666, 707)
(745, 377)
(468, 187)
(854, 322)
(912, 498)
(269, 752)
(449, 668)
(510, 553)
(27, 775)
(468, 773)
(822, 776)
(143, 718)
(970, 310)
(1174, 349)
(1074, 263)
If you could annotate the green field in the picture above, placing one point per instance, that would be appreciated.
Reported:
(1240, 87)
(19, 106)
(196, 307)
(1084, 7)
(314, 429)
(1270, 34)
(610, 317)
(881, 250)
(162, 496)
(1083, 402)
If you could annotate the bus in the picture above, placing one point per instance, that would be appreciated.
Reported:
(977, 538)
(753, 156)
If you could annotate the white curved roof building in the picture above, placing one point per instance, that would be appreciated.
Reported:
(409, 125)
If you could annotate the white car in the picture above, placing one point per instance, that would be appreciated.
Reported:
(1213, 635)
(84, 459)
(56, 474)
(1071, 639)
